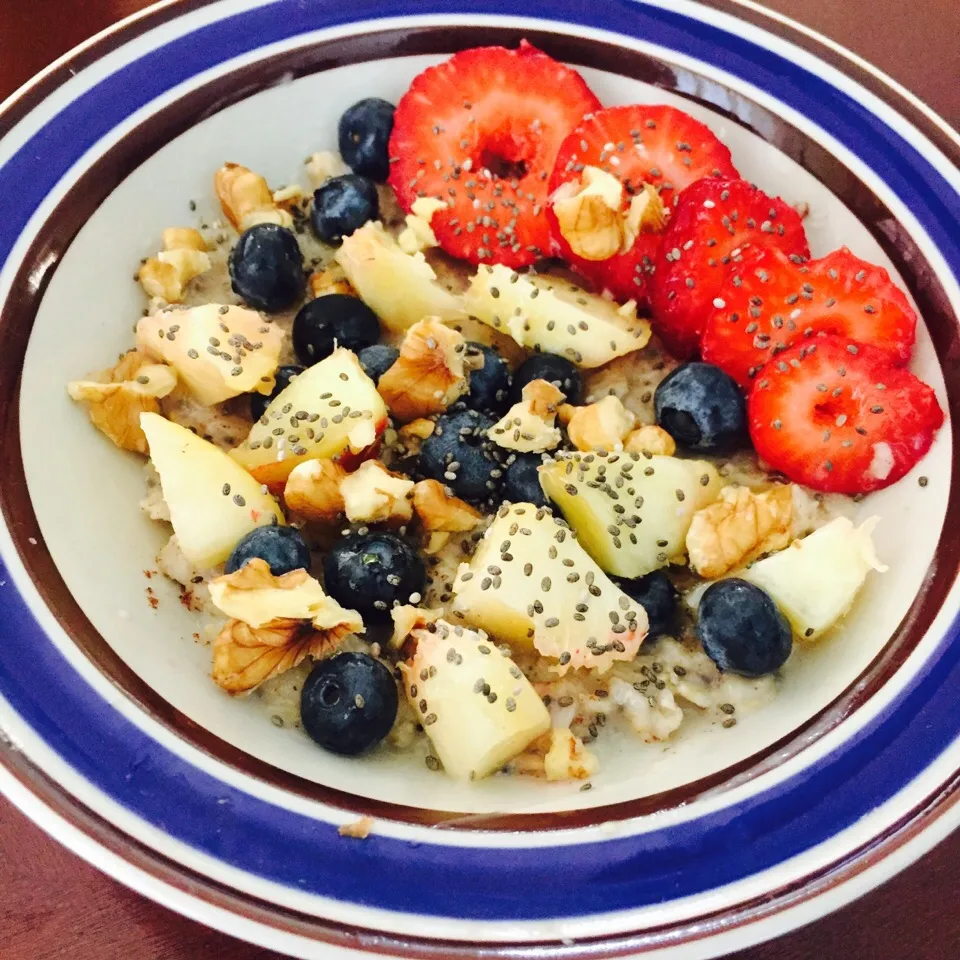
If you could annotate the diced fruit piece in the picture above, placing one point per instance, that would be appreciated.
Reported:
(429, 374)
(266, 268)
(550, 315)
(713, 221)
(476, 706)
(363, 136)
(658, 596)
(528, 426)
(401, 289)
(461, 438)
(521, 480)
(259, 402)
(741, 628)
(547, 366)
(834, 415)
(218, 352)
(332, 409)
(373, 571)
(633, 528)
(377, 360)
(335, 320)
(530, 581)
(481, 132)
(281, 548)
(816, 579)
(349, 703)
(638, 144)
(213, 501)
(770, 302)
(490, 383)
(701, 408)
(343, 205)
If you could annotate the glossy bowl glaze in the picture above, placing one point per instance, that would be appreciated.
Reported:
(121, 745)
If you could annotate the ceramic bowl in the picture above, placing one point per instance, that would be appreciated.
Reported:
(114, 737)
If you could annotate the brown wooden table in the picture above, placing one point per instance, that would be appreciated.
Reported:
(52, 905)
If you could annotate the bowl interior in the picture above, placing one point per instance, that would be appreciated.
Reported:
(85, 492)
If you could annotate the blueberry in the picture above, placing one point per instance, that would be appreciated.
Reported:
(461, 438)
(490, 384)
(364, 135)
(546, 366)
(521, 483)
(658, 596)
(741, 628)
(283, 376)
(266, 268)
(369, 572)
(348, 703)
(334, 320)
(282, 547)
(701, 408)
(342, 205)
(377, 360)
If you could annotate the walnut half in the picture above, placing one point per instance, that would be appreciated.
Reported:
(740, 526)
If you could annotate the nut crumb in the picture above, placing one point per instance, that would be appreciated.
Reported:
(358, 830)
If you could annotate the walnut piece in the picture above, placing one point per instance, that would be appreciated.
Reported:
(246, 199)
(528, 426)
(411, 435)
(406, 619)
(651, 439)
(357, 830)
(324, 165)
(372, 494)
(245, 656)
(428, 375)
(646, 214)
(740, 526)
(115, 398)
(184, 256)
(439, 511)
(255, 596)
(418, 234)
(331, 279)
(600, 426)
(567, 758)
(588, 214)
(313, 490)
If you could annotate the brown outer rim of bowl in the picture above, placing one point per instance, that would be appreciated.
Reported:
(869, 855)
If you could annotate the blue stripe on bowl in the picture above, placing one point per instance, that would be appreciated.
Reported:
(500, 884)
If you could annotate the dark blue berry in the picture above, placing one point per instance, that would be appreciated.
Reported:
(342, 205)
(490, 384)
(459, 454)
(547, 366)
(348, 703)
(370, 572)
(335, 320)
(377, 360)
(266, 268)
(701, 408)
(521, 483)
(283, 376)
(658, 596)
(282, 547)
(364, 136)
(741, 628)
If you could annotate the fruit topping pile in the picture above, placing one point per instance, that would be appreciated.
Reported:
(517, 423)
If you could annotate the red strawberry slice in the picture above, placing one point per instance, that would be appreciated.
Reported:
(838, 416)
(768, 302)
(481, 132)
(713, 218)
(643, 143)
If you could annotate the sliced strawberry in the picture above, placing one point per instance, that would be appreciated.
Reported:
(481, 132)
(768, 302)
(838, 416)
(713, 218)
(643, 143)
